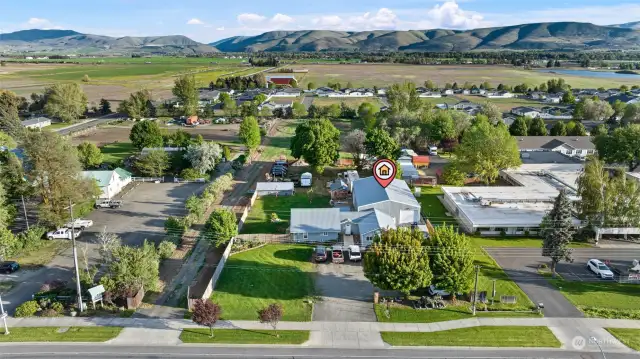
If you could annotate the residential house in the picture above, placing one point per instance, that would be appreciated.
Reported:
(572, 146)
(209, 95)
(537, 95)
(382, 91)
(110, 182)
(430, 94)
(478, 91)
(525, 111)
(287, 92)
(36, 122)
(499, 94)
(274, 105)
(624, 98)
(553, 99)
(365, 225)
(315, 225)
(447, 92)
(409, 172)
(274, 189)
(396, 200)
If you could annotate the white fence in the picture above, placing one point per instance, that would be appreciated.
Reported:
(147, 179)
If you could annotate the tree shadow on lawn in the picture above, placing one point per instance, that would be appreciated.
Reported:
(293, 254)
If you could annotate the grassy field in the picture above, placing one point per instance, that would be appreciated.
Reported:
(432, 208)
(42, 255)
(507, 337)
(240, 336)
(259, 219)
(254, 279)
(518, 242)
(628, 337)
(385, 74)
(50, 334)
(280, 142)
(351, 102)
(118, 151)
(602, 298)
(404, 314)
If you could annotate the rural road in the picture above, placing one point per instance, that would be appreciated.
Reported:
(65, 351)
(307, 101)
(89, 124)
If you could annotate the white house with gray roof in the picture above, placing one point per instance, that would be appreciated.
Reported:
(36, 122)
(315, 224)
(572, 146)
(396, 200)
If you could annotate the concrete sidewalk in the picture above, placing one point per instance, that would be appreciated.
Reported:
(573, 333)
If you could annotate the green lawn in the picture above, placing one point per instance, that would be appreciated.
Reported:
(628, 337)
(43, 255)
(58, 125)
(259, 219)
(274, 273)
(520, 242)
(432, 208)
(404, 314)
(604, 299)
(241, 336)
(118, 151)
(508, 337)
(50, 334)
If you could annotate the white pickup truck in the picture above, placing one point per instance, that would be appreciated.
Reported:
(108, 203)
(62, 233)
(79, 224)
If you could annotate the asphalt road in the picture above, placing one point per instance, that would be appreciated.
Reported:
(65, 351)
(89, 124)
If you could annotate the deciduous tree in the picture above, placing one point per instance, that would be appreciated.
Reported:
(206, 313)
(596, 110)
(493, 112)
(398, 260)
(146, 134)
(186, 91)
(65, 101)
(354, 144)
(380, 145)
(132, 268)
(518, 127)
(137, 106)
(203, 157)
(631, 113)
(9, 115)
(559, 129)
(403, 97)
(557, 232)
(221, 227)
(250, 133)
(537, 127)
(153, 164)
(451, 260)
(318, 142)
(89, 155)
(272, 315)
(299, 110)
(575, 128)
(620, 146)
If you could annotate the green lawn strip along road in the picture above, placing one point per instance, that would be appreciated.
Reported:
(50, 334)
(274, 273)
(117, 151)
(404, 314)
(628, 337)
(259, 219)
(602, 299)
(517, 242)
(484, 336)
(42, 255)
(242, 336)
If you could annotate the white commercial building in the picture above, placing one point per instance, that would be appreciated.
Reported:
(514, 210)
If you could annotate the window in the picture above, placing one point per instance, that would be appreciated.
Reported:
(519, 229)
(499, 229)
(325, 234)
(305, 235)
(483, 229)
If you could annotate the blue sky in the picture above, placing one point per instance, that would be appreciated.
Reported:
(208, 21)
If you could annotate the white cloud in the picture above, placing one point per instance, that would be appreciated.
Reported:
(37, 22)
(195, 21)
(250, 19)
(221, 28)
(327, 21)
(449, 15)
(281, 19)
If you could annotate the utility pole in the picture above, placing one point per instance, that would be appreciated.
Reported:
(3, 315)
(475, 291)
(24, 209)
(75, 259)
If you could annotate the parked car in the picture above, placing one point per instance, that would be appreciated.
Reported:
(354, 253)
(63, 233)
(336, 254)
(321, 254)
(599, 268)
(108, 204)
(433, 150)
(9, 267)
(79, 224)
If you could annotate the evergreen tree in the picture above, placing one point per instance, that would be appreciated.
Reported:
(557, 232)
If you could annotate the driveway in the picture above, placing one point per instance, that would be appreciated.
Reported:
(141, 217)
(347, 295)
(521, 265)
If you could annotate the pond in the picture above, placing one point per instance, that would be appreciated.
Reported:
(589, 73)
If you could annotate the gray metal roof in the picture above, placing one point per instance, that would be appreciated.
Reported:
(367, 191)
(274, 186)
(373, 221)
(314, 220)
(551, 142)
(35, 121)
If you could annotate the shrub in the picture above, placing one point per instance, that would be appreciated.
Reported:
(263, 131)
(27, 309)
(166, 249)
(503, 233)
(190, 174)
(526, 233)
(49, 313)
(175, 226)
(452, 176)
(57, 306)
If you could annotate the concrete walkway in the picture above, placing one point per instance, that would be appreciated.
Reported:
(573, 333)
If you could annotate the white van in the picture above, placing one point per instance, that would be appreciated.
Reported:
(433, 150)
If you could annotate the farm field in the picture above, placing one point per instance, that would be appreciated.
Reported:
(385, 74)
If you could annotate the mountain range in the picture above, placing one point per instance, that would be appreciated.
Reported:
(538, 36)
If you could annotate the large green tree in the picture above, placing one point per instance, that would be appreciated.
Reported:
(221, 227)
(451, 260)
(53, 167)
(186, 91)
(485, 150)
(250, 133)
(403, 97)
(518, 127)
(65, 101)
(537, 127)
(89, 155)
(153, 164)
(367, 111)
(559, 129)
(9, 115)
(592, 184)
(398, 260)
(146, 134)
(631, 113)
(622, 145)
(203, 157)
(299, 110)
(318, 142)
(354, 144)
(380, 144)
(492, 111)
(132, 268)
(138, 105)
(596, 110)
(557, 232)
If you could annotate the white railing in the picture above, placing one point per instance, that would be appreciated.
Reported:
(147, 179)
